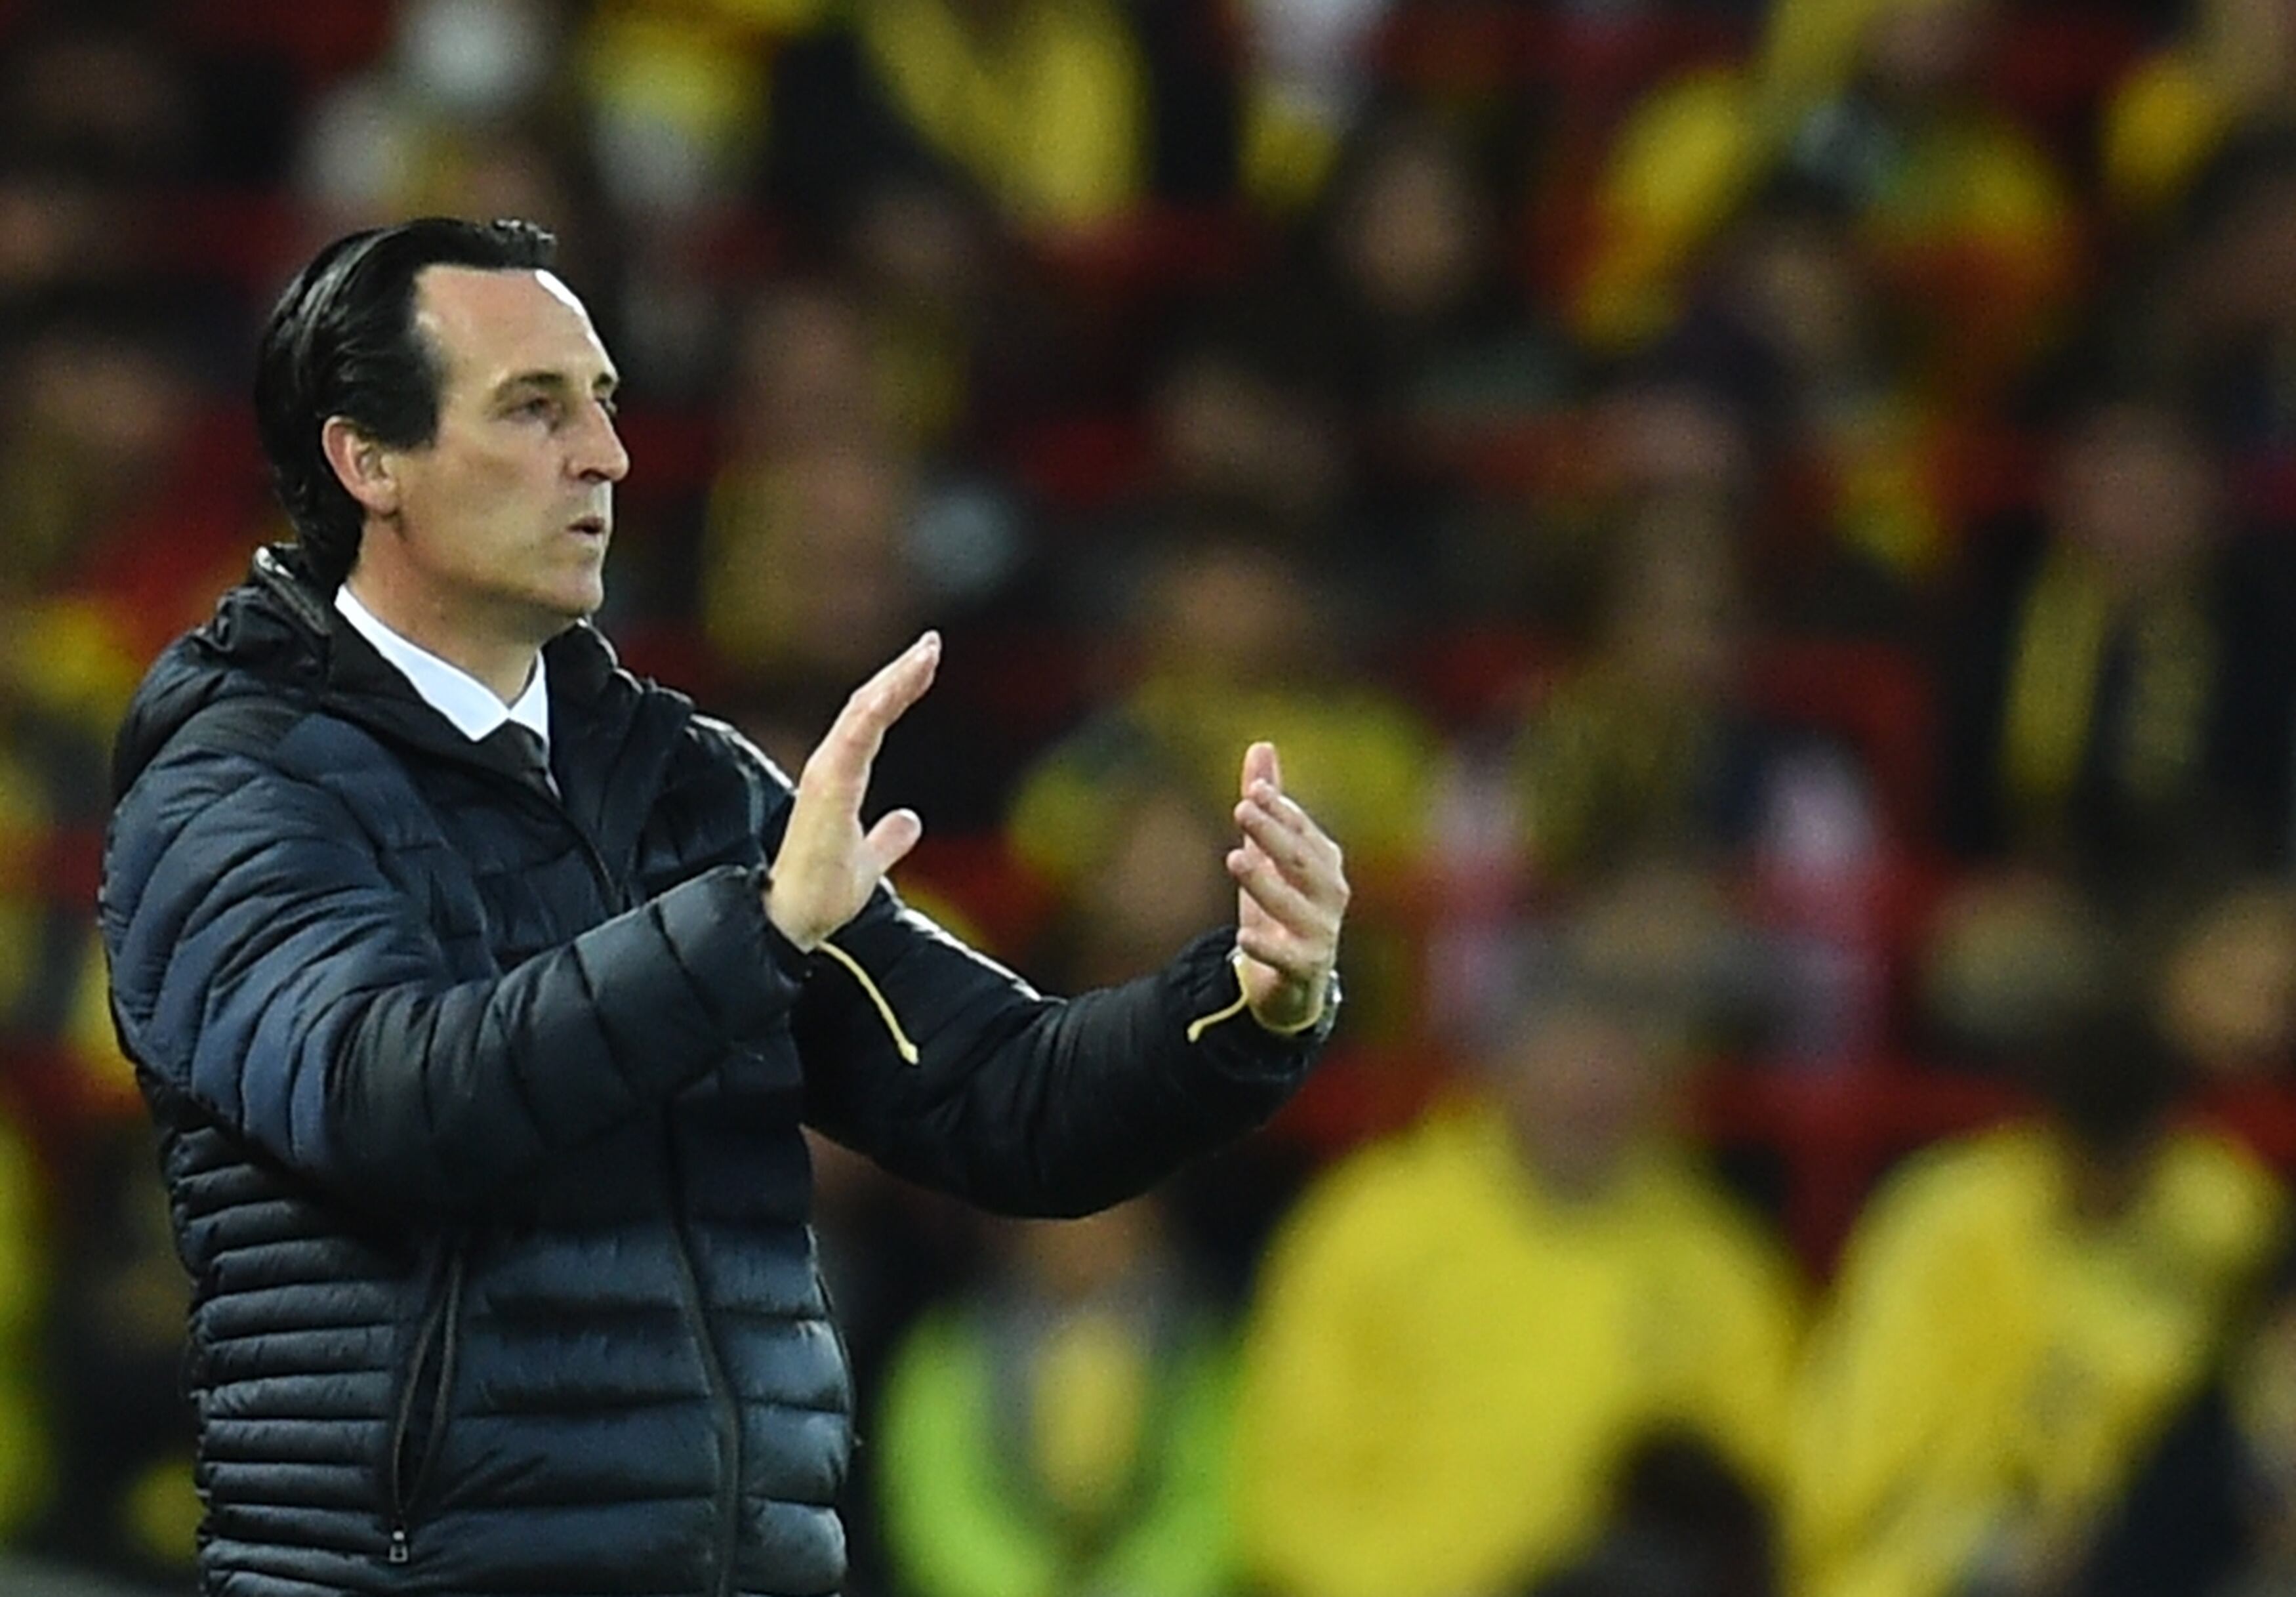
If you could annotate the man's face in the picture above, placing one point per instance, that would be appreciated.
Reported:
(502, 520)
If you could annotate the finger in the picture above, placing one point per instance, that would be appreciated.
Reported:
(896, 833)
(899, 683)
(1286, 832)
(853, 739)
(1265, 885)
(1309, 863)
(1260, 765)
(1285, 849)
(1287, 812)
(1282, 952)
(1286, 949)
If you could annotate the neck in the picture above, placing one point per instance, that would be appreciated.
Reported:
(504, 664)
(2104, 1186)
(1570, 1169)
(1573, 1177)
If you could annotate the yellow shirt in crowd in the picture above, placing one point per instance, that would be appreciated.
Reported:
(1990, 1367)
(1446, 1360)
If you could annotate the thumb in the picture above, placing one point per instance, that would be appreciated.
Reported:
(896, 833)
(1260, 765)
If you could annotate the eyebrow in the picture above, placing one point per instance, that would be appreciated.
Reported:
(605, 382)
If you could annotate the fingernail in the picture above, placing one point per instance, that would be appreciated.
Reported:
(929, 642)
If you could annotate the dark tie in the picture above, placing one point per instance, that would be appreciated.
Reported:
(526, 750)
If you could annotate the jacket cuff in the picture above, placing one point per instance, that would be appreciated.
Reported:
(717, 925)
(786, 959)
(1218, 1024)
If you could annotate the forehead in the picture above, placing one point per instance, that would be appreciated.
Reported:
(488, 326)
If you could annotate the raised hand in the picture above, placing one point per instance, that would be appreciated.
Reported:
(1291, 893)
(828, 866)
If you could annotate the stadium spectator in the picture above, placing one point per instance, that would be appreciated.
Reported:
(1462, 1333)
(28, 1409)
(2208, 1511)
(1971, 228)
(2120, 681)
(1062, 1425)
(2018, 1310)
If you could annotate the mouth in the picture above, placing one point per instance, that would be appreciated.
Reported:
(590, 526)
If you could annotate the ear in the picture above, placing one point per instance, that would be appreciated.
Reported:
(362, 465)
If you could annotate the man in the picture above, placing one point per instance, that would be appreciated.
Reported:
(1582, 1303)
(480, 991)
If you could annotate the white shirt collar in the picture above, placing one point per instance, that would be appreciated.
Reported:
(447, 687)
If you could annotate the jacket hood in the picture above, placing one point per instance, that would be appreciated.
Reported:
(268, 635)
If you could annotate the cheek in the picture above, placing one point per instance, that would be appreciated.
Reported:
(492, 501)
(465, 517)
(500, 481)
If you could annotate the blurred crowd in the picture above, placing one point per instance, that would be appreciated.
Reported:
(1765, 530)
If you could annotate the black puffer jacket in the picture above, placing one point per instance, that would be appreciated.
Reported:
(481, 1115)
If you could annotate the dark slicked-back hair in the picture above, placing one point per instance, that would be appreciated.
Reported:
(342, 342)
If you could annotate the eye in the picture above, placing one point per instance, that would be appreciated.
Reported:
(535, 404)
(610, 405)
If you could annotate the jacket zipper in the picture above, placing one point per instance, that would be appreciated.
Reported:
(721, 1386)
(438, 1327)
(616, 895)
(713, 1360)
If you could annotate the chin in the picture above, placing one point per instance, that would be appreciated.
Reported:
(555, 613)
(579, 600)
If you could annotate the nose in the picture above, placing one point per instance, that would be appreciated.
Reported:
(598, 454)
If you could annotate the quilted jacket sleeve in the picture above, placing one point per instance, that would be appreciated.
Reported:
(266, 969)
(949, 1070)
